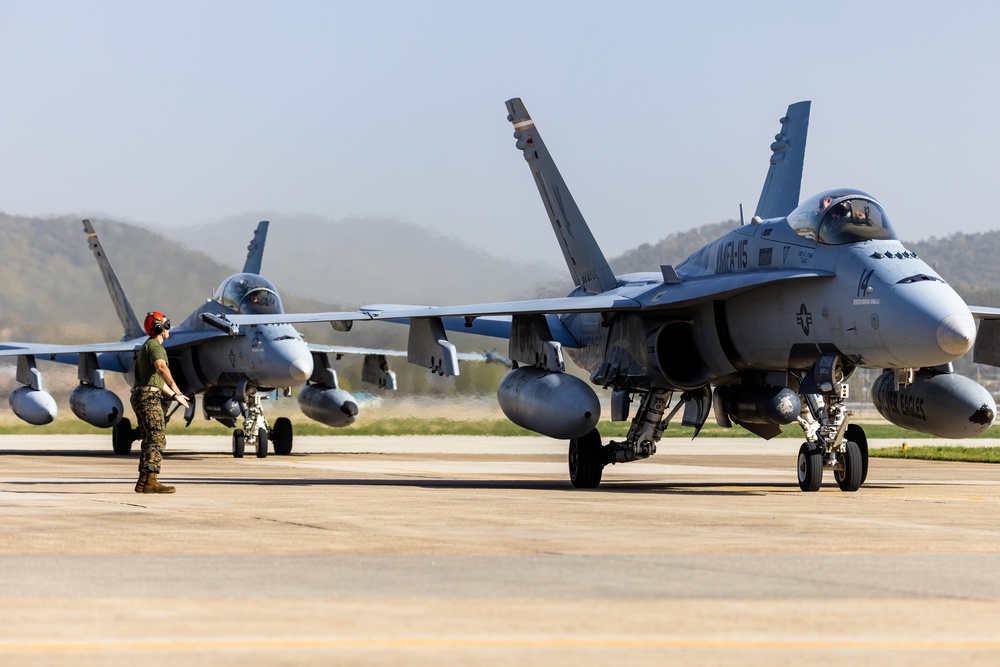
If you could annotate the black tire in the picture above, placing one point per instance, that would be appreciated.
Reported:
(281, 436)
(810, 467)
(586, 460)
(849, 479)
(856, 434)
(122, 437)
(262, 443)
(239, 444)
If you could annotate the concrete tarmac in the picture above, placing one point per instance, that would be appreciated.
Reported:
(456, 550)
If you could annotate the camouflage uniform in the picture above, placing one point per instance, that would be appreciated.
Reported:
(147, 402)
(148, 407)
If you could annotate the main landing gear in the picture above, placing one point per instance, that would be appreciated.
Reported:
(587, 457)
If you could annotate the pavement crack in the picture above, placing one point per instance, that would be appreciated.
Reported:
(290, 523)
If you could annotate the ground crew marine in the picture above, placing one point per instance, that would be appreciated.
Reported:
(153, 381)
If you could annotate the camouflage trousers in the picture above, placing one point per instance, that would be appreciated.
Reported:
(148, 408)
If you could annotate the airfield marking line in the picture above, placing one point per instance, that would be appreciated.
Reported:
(489, 643)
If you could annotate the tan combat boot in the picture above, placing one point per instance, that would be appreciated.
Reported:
(153, 486)
(140, 485)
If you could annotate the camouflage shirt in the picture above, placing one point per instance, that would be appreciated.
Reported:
(145, 371)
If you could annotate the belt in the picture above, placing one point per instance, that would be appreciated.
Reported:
(146, 390)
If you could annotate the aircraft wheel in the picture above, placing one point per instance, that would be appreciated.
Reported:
(281, 436)
(849, 479)
(586, 460)
(261, 443)
(856, 434)
(122, 436)
(810, 467)
(239, 443)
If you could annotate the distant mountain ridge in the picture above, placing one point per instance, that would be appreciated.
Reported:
(359, 260)
(51, 289)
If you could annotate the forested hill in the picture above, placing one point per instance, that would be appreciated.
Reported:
(51, 289)
(967, 261)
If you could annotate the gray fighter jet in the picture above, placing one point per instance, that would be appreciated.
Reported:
(208, 355)
(762, 327)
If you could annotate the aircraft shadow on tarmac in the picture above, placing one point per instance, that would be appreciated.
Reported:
(734, 488)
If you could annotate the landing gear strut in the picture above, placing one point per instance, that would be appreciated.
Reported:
(587, 457)
(254, 432)
(830, 441)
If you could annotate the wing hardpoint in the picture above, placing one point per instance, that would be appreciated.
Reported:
(780, 194)
(584, 258)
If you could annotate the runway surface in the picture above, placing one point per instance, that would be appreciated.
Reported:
(386, 551)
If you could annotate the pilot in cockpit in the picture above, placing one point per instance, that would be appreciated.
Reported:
(841, 211)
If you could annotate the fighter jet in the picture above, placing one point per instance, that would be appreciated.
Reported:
(762, 327)
(209, 356)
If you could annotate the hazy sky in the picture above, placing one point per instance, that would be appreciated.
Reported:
(659, 114)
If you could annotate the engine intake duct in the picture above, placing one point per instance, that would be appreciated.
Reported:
(672, 350)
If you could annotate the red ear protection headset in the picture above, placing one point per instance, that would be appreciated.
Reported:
(155, 323)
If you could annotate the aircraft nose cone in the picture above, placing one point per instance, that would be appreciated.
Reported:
(957, 333)
(300, 370)
(350, 408)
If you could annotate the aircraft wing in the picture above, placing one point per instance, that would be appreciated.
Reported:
(668, 295)
(985, 312)
(107, 353)
(341, 350)
(569, 304)
(987, 349)
(686, 291)
(42, 350)
(578, 304)
(297, 318)
(689, 291)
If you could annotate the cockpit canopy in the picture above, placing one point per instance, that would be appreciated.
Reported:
(249, 294)
(836, 217)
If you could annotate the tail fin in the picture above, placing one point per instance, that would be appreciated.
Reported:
(584, 258)
(255, 251)
(122, 306)
(780, 195)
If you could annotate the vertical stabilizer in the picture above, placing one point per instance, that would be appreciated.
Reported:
(122, 306)
(255, 251)
(780, 195)
(584, 258)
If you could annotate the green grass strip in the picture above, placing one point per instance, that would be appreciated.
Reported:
(441, 426)
(964, 454)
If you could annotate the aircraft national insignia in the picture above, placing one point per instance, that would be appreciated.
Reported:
(804, 319)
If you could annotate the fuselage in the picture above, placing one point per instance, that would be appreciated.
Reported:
(266, 356)
(869, 299)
